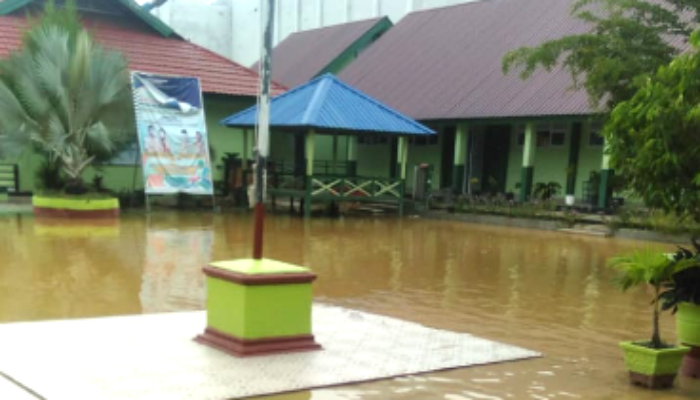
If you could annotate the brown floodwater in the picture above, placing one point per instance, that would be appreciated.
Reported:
(545, 291)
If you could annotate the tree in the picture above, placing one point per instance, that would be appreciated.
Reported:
(654, 139)
(63, 94)
(627, 40)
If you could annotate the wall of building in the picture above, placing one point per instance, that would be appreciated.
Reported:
(551, 162)
(126, 177)
(232, 28)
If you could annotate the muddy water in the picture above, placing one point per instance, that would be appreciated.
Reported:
(544, 291)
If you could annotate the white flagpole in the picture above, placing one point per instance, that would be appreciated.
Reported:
(263, 139)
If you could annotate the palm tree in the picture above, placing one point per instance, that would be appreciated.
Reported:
(62, 94)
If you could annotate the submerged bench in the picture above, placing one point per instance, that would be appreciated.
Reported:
(8, 180)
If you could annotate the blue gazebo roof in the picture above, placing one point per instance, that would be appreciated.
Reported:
(329, 105)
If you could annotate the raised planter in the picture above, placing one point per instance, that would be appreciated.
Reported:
(258, 307)
(651, 368)
(66, 207)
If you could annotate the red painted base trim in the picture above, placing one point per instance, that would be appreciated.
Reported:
(63, 213)
(654, 382)
(691, 364)
(256, 347)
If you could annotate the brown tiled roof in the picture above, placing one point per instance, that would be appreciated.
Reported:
(148, 51)
(303, 55)
(446, 63)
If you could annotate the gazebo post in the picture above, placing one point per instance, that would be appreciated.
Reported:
(352, 156)
(402, 158)
(310, 144)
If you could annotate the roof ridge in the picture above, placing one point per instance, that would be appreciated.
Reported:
(377, 103)
(318, 28)
(316, 103)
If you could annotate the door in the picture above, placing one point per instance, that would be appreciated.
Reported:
(496, 154)
(448, 156)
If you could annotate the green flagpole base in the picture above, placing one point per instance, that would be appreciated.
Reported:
(258, 307)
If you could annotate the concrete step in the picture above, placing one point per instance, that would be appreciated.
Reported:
(586, 232)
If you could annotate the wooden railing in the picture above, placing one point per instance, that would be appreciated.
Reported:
(359, 188)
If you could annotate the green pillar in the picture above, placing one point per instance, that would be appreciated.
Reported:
(572, 166)
(310, 144)
(334, 167)
(460, 158)
(606, 175)
(528, 162)
(352, 156)
(402, 157)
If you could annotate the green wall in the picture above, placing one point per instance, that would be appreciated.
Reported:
(590, 159)
(551, 161)
(118, 177)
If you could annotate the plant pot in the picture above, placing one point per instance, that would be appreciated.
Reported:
(75, 207)
(688, 324)
(688, 327)
(651, 368)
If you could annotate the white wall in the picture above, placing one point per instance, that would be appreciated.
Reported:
(232, 27)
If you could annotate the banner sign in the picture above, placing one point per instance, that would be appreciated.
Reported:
(172, 134)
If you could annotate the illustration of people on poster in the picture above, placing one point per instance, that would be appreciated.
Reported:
(172, 134)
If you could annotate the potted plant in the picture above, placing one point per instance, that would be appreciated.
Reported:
(652, 363)
(682, 297)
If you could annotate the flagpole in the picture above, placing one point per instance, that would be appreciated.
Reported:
(263, 139)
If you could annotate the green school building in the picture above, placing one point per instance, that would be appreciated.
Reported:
(149, 46)
(497, 132)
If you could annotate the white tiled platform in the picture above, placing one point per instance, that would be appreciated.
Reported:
(153, 357)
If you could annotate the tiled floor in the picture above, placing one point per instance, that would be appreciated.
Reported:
(10, 391)
(153, 357)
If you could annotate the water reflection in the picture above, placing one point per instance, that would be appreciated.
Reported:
(544, 291)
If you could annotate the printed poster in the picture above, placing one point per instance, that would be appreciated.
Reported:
(172, 134)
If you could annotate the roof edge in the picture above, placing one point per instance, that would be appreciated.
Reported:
(10, 6)
(365, 40)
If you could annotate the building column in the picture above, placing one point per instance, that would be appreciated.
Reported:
(402, 157)
(460, 158)
(310, 144)
(528, 171)
(574, 151)
(352, 156)
(606, 175)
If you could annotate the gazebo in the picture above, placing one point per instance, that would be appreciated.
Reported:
(327, 106)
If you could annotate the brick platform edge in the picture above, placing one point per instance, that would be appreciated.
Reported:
(77, 214)
(252, 347)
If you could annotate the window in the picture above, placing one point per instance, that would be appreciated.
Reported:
(543, 134)
(546, 134)
(372, 139)
(595, 138)
(427, 140)
(558, 135)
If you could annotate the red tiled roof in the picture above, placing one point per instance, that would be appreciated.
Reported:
(446, 63)
(149, 52)
(303, 55)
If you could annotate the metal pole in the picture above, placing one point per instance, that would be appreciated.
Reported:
(263, 139)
